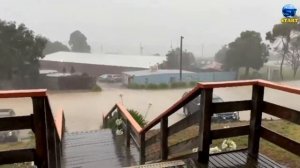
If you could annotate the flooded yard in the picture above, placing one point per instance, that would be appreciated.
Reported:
(84, 109)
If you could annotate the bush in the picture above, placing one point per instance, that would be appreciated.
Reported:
(178, 84)
(152, 86)
(138, 117)
(193, 83)
(163, 86)
(96, 88)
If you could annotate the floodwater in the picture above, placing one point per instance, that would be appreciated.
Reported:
(84, 110)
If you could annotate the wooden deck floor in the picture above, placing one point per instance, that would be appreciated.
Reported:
(240, 160)
(95, 149)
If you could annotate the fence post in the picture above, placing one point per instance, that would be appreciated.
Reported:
(142, 148)
(205, 125)
(164, 138)
(40, 131)
(127, 134)
(255, 120)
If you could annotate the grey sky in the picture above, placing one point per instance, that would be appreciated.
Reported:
(120, 25)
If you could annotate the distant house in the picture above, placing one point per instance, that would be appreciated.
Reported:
(98, 64)
(168, 76)
(151, 76)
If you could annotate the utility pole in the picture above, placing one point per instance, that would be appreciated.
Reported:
(180, 68)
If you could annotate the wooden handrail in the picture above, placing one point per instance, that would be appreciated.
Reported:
(179, 104)
(281, 87)
(125, 113)
(60, 123)
(23, 93)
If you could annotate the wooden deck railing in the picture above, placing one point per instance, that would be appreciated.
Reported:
(48, 132)
(254, 130)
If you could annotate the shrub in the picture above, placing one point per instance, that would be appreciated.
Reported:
(163, 86)
(178, 84)
(193, 83)
(138, 117)
(96, 88)
(152, 86)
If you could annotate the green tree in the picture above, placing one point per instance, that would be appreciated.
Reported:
(52, 47)
(281, 36)
(220, 56)
(173, 59)
(293, 57)
(247, 51)
(78, 42)
(20, 51)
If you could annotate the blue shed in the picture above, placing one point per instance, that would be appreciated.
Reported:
(165, 76)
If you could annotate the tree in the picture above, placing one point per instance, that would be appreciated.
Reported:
(247, 51)
(20, 51)
(173, 59)
(78, 42)
(220, 56)
(281, 36)
(72, 70)
(52, 47)
(293, 57)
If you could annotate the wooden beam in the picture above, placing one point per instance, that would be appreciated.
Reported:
(23, 93)
(282, 112)
(39, 122)
(205, 126)
(127, 116)
(142, 149)
(230, 132)
(222, 107)
(277, 86)
(17, 156)
(164, 138)
(19, 122)
(207, 85)
(255, 120)
(281, 141)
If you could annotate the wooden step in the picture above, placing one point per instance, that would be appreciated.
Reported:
(168, 164)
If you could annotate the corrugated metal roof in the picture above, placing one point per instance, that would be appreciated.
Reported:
(136, 61)
(160, 71)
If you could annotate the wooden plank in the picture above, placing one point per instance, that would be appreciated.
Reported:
(230, 132)
(153, 139)
(127, 134)
(23, 93)
(184, 123)
(60, 123)
(277, 86)
(164, 138)
(255, 120)
(205, 126)
(142, 149)
(221, 107)
(123, 111)
(282, 112)
(39, 121)
(179, 104)
(17, 156)
(207, 85)
(19, 122)
(183, 146)
(281, 141)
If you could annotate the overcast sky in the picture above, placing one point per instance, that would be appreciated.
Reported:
(121, 25)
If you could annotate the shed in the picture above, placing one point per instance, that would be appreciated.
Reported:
(165, 76)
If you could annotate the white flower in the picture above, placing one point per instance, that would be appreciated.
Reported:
(214, 150)
(228, 145)
(119, 132)
(119, 122)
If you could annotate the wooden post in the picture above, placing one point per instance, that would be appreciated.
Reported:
(39, 128)
(205, 125)
(142, 148)
(255, 120)
(164, 138)
(127, 134)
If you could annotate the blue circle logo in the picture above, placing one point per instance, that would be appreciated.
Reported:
(289, 11)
